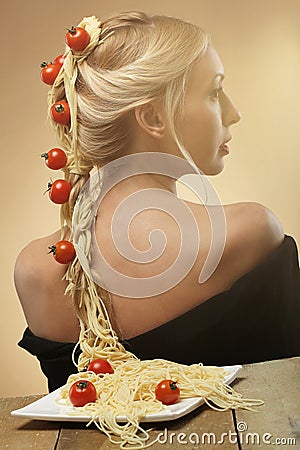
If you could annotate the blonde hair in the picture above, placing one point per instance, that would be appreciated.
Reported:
(141, 58)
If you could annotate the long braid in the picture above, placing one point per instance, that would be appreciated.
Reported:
(92, 303)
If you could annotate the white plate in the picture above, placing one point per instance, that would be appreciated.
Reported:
(46, 407)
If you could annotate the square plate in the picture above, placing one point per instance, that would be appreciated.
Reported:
(46, 407)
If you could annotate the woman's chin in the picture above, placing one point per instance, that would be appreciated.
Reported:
(214, 170)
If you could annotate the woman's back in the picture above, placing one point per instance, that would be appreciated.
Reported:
(253, 232)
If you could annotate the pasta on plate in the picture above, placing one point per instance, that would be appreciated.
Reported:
(128, 395)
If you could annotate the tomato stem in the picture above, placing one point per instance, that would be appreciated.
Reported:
(48, 188)
(59, 108)
(52, 249)
(82, 384)
(72, 30)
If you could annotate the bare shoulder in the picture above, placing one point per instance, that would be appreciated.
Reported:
(33, 260)
(41, 290)
(253, 232)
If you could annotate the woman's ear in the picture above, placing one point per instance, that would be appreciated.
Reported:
(150, 120)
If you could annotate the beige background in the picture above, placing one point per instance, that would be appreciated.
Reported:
(259, 44)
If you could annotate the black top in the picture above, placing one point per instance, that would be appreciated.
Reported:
(257, 319)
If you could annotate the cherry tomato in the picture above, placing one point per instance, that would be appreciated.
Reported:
(167, 392)
(59, 191)
(77, 38)
(82, 392)
(63, 252)
(100, 366)
(55, 159)
(49, 72)
(59, 60)
(60, 112)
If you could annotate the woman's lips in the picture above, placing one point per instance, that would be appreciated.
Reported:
(225, 148)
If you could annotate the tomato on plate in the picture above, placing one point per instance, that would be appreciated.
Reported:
(167, 392)
(82, 392)
(60, 112)
(49, 72)
(59, 191)
(55, 159)
(100, 366)
(77, 38)
(63, 251)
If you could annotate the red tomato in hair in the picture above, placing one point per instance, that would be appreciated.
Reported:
(55, 159)
(63, 252)
(59, 191)
(60, 112)
(59, 60)
(77, 38)
(49, 72)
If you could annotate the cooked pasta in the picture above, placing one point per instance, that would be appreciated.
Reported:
(129, 394)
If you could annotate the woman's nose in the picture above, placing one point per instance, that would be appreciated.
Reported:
(230, 114)
(236, 117)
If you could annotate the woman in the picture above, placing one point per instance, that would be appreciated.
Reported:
(154, 84)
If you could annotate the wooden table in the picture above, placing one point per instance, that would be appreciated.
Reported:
(276, 425)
